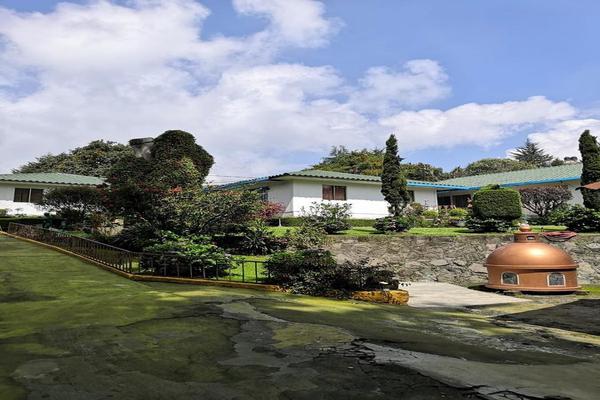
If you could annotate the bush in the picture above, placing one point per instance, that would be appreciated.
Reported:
(497, 203)
(430, 213)
(260, 240)
(307, 236)
(331, 217)
(394, 224)
(134, 237)
(459, 212)
(77, 205)
(315, 272)
(476, 224)
(3, 212)
(581, 219)
(53, 222)
(182, 253)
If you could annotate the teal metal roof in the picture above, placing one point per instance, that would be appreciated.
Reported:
(560, 173)
(53, 178)
(315, 173)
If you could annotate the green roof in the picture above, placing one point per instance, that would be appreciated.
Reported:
(316, 173)
(53, 178)
(561, 173)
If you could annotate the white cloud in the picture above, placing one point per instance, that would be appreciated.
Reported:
(298, 22)
(482, 125)
(105, 70)
(562, 140)
(383, 90)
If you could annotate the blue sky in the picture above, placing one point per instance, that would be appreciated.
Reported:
(495, 55)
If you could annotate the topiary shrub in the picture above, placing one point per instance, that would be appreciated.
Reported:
(331, 217)
(494, 209)
(497, 202)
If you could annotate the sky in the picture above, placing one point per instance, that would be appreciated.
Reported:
(268, 86)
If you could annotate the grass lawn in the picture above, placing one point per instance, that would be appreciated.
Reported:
(447, 231)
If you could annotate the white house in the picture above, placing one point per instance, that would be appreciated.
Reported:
(568, 175)
(20, 193)
(298, 190)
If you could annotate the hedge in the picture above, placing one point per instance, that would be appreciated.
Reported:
(295, 221)
(20, 220)
(496, 202)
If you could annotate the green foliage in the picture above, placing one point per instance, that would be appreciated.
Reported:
(297, 221)
(477, 224)
(581, 219)
(532, 153)
(393, 184)
(175, 146)
(394, 224)
(139, 186)
(590, 156)
(3, 212)
(94, 159)
(134, 237)
(331, 217)
(77, 205)
(458, 212)
(185, 252)
(490, 166)
(315, 272)
(258, 239)
(307, 236)
(543, 200)
(496, 202)
(5, 221)
(494, 209)
(340, 159)
(370, 162)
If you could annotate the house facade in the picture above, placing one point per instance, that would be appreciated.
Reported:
(20, 194)
(296, 191)
(568, 175)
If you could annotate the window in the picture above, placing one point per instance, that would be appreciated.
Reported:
(23, 195)
(334, 192)
(36, 196)
(462, 201)
(510, 278)
(556, 279)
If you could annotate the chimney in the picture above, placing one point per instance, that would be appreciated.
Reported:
(142, 147)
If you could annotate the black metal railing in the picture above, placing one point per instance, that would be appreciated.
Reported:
(240, 269)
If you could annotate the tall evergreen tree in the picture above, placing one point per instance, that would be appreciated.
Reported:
(590, 156)
(532, 153)
(393, 183)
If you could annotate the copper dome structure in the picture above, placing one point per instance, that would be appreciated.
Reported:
(531, 266)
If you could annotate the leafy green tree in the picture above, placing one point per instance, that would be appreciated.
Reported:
(94, 159)
(393, 183)
(76, 205)
(370, 162)
(137, 185)
(340, 159)
(543, 200)
(490, 166)
(532, 153)
(590, 156)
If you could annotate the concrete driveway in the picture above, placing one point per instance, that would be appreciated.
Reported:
(446, 295)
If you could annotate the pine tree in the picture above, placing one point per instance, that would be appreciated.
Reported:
(393, 183)
(590, 156)
(532, 153)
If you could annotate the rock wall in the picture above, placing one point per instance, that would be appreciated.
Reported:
(454, 259)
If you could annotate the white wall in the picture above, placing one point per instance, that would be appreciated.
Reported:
(7, 195)
(365, 198)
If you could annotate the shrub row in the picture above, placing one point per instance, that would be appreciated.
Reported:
(21, 220)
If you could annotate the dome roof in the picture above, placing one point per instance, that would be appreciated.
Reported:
(532, 255)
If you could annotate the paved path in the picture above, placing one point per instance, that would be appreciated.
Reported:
(436, 294)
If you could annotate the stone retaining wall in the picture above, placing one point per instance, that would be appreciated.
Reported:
(453, 259)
